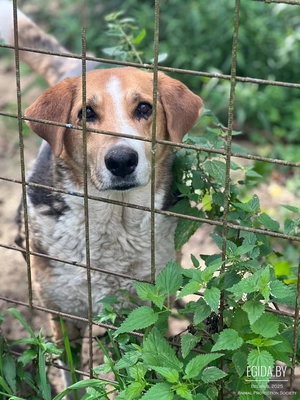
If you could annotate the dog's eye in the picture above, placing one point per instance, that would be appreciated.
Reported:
(90, 114)
(143, 110)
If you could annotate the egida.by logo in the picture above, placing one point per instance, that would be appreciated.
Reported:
(266, 373)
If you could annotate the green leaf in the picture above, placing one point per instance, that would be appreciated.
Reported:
(244, 249)
(252, 206)
(184, 392)
(212, 297)
(217, 239)
(253, 174)
(212, 393)
(128, 359)
(186, 228)
(189, 288)
(212, 374)
(9, 371)
(134, 390)
(27, 340)
(102, 369)
(51, 348)
(139, 318)
(147, 291)
(83, 384)
(259, 342)
(263, 364)
(240, 321)
(158, 352)
(264, 283)
(234, 166)
(5, 386)
(266, 325)
(111, 299)
(246, 285)
(231, 247)
(218, 199)
(209, 271)
(289, 226)
(239, 360)
(268, 222)
(265, 276)
(250, 238)
(201, 396)
(280, 356)
(188, 342)
(196, 364)
(161, 391)
(292, 208)
(228, 340)
(280, 290)
(27, 356)
(193, 274)
(195, 261)
(170, 374)
(216, 169)
(170, 278)
(284, 345)
(45, 386)
(202, 311)
(138, 371)
(139, 37)
(254, 310)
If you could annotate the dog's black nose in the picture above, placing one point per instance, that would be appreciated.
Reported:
(121, 161)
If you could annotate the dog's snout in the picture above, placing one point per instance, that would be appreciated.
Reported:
(121, 161)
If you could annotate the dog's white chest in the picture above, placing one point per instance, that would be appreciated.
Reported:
(118, 240)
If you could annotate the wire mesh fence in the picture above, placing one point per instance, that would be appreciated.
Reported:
(225, 223)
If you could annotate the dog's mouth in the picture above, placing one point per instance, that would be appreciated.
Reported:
(105, 183)
(123, 186)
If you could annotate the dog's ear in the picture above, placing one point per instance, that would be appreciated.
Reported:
(53, 105)
(182, 107)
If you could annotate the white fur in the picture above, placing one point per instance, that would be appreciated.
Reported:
(119, 241)
(124, 125)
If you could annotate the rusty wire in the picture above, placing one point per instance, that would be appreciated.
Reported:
(225, 224)
(22, 155)
(86, 206)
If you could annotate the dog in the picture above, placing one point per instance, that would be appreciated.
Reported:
(118, 169)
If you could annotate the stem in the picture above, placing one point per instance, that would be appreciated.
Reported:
(127, 39)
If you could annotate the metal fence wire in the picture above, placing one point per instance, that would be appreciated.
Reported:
(225, 224)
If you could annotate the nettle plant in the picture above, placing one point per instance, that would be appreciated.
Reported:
(234, 350)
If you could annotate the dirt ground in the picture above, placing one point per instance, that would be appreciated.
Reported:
(13, 274)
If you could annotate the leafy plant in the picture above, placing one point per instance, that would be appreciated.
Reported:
(122, 29)
(234, 342)
(13, 371)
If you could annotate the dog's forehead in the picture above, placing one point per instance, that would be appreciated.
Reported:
(117, 82)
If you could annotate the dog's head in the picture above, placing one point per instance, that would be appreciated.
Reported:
(117, 100)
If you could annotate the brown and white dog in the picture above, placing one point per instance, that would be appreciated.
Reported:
(117, 100)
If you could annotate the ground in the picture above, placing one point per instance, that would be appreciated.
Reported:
(13, 273)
